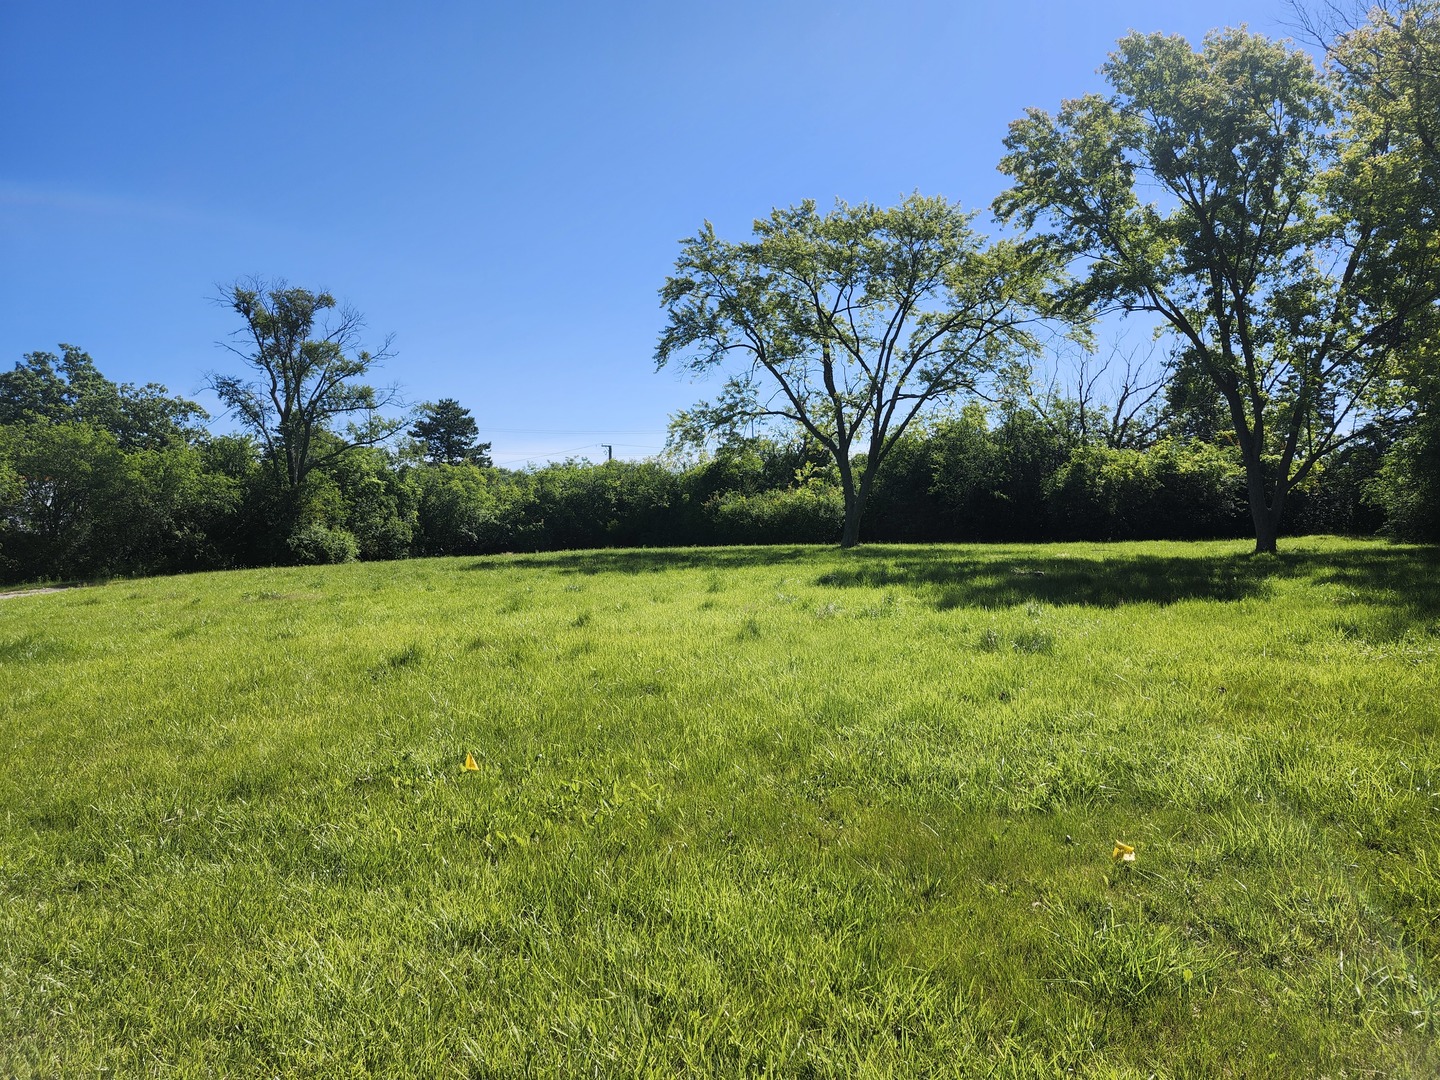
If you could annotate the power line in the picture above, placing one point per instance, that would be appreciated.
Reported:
(574, 449)
(564, 431)
(547, 454)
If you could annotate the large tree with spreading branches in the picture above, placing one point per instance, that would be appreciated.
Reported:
(1232, 192)
(847, 325)
(304, 398)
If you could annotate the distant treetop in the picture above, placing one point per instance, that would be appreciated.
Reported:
(449, 434)
(69, 388)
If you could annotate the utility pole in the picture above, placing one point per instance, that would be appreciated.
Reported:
(609, 451)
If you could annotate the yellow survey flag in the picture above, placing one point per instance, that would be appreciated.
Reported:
(470, 765)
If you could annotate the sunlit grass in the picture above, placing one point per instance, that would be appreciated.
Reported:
(796, 812)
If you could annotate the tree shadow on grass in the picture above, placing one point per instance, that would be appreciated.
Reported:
(966, 580)
(1403, 582)
(651, 560)
(1408, 575)
(1406, 579)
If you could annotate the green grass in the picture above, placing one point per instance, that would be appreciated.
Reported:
(778, 811)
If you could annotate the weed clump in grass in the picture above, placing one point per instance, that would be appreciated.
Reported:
(1124, 962)
(409, 657)
(887, 607)
(1035, 642)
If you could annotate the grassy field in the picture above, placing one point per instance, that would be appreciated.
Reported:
(769, 811)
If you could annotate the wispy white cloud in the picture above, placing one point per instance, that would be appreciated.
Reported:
(96, 204)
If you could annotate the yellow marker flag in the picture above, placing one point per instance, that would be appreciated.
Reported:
(470, 765)
(1123, 852)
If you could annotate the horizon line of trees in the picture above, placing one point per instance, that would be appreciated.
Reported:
(99, 479)
(1278, 221)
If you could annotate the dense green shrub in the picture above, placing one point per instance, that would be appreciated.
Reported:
(1407, 484)
(378, 503)
(903, 507)
(1177, 489)
(618, 504)
(74, 503)
(813, 514)
(314, 544)
(1341, 495)
(458, 511)
(991, 482)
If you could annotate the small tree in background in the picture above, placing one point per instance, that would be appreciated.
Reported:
(450, 435)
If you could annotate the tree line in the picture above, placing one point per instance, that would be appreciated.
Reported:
(1275, 219)
(100, 479)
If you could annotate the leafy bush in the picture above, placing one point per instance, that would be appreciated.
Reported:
(74, 503)
(903, 507)
(314, 544)
(378, 503)
(458, 511)
(1407, 486)
(618, 504)
(1174, 490)
(991, 482)
(813, 514)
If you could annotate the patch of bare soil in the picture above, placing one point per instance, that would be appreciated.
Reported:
(34, 592)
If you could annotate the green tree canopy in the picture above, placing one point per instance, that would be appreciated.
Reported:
(449, 435)
(846, 325)
(1268, 250)
(69, 388)
(1388, 65)
(308, 374)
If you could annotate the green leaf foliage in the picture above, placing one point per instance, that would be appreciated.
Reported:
(1220, 189)
(68, 388)
(847, 325)
(448, 434)
(1389, 69)
(308, 382)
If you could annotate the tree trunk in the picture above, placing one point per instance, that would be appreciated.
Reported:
(855, 508)
(1265, 533)
(1264, 513)
(850, 535)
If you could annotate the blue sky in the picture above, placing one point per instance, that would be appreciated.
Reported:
(502, 186)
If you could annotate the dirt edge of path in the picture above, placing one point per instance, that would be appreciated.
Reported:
(37, 592)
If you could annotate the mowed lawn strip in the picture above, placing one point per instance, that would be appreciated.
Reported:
(780, 811)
